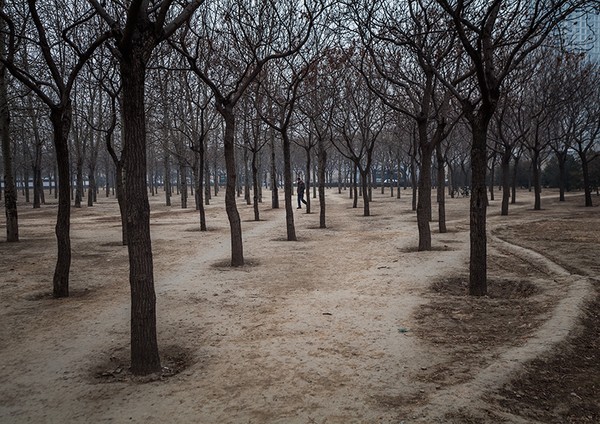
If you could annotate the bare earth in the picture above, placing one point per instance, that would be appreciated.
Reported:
(347, 325)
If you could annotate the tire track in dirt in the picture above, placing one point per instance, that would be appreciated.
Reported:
(565, 316)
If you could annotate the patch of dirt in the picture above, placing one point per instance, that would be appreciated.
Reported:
(350, 325)
(563, 387)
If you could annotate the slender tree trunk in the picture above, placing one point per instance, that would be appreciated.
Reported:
(505, 165)
(587, 186)
(365, 191)
(200, 156)
(513, 198)
(354, 189)
(287, 188)
(255, 186)
(183, 184)
(492, 176)
(144, 345)
(441, 189)
(535, 175)
(322, 165)
(562, 174)
(237, 249)
(167, 178)
(274, 188)
(308, 180)
(61, 123)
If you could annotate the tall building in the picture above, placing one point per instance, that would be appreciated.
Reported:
(585, 35)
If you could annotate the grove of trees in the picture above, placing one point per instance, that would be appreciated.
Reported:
(152, 97)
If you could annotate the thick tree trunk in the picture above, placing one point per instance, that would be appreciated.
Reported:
(144, 345)
(61, 123)
(478, 236)
(10, 191)
(237, 249)
(287, 188)
(424, 198)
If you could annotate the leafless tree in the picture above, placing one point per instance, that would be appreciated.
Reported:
(228, 47)
(137, 30)
(63, 44)
(496, 38)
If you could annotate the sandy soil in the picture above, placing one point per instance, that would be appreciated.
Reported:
(347, 325)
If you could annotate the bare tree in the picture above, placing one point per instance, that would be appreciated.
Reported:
(137, 31)
(228, 55)
(53, 83)
(496, 38)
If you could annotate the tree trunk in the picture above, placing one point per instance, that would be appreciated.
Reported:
(167, 178)
(354, 190)
(10, 191)
(144, 345)
(364, 182)
(424, 197)
(587, 186)
(183, 184)
(562, 174)
(255, 184)
(200, 159)
(61, 123)
(492, 176)
(441, 190)
(535, 176)
(513, 190)
(308, 181)
(274, 188)
(287, 188)
(237, 249)
(505, 165)
(478, 236)
(322, 166)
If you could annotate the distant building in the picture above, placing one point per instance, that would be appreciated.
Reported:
(583, 35)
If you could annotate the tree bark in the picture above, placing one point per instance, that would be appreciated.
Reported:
(61, 123)
(287, 188)
(237, 249)
(505, 165)
(478, 236)
(587, 186)
(424, 198)
(365, 191)
(441, 190)
(274, 188)
(144, 345)
(322, 166)
(535, 175)
(10, 191)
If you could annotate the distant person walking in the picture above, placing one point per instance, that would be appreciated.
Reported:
(301, 188)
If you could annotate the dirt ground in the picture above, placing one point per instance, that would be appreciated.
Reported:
(349, 324)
